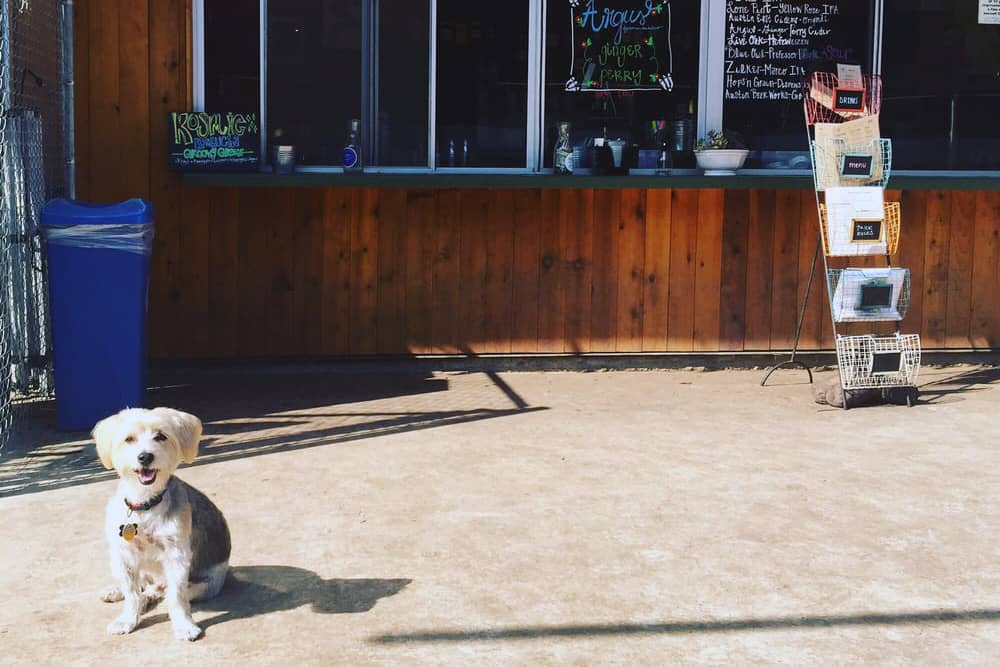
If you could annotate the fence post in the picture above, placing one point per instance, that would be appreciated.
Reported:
(69, 126)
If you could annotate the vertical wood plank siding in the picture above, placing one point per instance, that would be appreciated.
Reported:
(350, 271)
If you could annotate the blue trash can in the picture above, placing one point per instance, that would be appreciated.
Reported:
(98, 260)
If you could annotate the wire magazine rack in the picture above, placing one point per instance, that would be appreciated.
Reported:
(832, 160)
(878, 362)
(821, 96)
(869, 295)
(846, 150)
(890, 225)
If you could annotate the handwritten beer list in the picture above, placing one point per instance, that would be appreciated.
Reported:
(769, 46)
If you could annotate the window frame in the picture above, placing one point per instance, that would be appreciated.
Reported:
(709, 113)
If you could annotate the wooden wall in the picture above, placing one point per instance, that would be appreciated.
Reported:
(271, 272)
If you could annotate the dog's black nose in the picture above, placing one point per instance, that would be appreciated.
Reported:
(145, 458)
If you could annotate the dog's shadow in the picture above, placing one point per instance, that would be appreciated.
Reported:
(263, 589)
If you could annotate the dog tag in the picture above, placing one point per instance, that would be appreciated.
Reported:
(128, 531)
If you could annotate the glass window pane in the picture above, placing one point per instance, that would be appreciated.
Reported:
(404, 61)
(941, 72)
(770, 48)
(232, 55)
(313, 76)
(659, 41)
(482, 83)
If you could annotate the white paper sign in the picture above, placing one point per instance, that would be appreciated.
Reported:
(844, 206)
(989, 11)
(849, 76)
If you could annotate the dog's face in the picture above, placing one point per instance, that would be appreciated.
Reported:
(146, 446)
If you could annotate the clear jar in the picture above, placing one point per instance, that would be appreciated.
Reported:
(561, 154)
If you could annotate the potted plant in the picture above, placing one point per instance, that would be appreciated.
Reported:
(721, 153)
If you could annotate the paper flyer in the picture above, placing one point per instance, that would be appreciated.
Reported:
(855, 221)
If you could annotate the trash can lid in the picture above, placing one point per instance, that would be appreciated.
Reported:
(71, 212)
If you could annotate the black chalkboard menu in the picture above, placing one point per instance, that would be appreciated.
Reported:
(886, 362)
(875, 295)
(201, 141)
(620, 45)
(771, 47)
(866, 231)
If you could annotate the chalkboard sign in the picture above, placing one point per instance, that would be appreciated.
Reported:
(886, 362)
(200, 141)
(866, 230)
(770, 48)
(848, 99)
(875, 295)
(857, 165)
(620, 45)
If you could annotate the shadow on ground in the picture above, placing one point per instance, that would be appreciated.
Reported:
(936, 386)
(683, 627)
(265, 589)
(948, 389)
(241, 412)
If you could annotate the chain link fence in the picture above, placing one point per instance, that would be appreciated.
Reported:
(33, 159)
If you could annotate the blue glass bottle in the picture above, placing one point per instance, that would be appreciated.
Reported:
(352, 150)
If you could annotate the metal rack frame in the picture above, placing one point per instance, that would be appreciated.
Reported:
(856, 355)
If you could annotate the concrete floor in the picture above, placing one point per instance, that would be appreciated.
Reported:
(634, 518)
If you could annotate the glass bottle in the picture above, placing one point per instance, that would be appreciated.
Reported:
(664, 162)
(562, 150)
(352, 149)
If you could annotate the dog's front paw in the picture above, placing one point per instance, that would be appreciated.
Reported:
(113, 594)
(123, 625)
(187, 630)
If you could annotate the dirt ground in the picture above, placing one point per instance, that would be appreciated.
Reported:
(632, 518)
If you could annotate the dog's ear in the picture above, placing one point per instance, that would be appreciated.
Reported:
(103, 434)
(186, 428)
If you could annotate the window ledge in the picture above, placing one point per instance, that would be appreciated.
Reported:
(681, 178)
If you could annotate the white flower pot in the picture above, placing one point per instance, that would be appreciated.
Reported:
(721, 161)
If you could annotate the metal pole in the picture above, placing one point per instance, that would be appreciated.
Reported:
(6, 74)
(68, 121)
(432, 90)
(6, 333)
(5, 64)
(798, 325)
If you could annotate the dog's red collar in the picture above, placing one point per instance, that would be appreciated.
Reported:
(149, 504)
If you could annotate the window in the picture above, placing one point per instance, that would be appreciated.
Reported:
(769, 49)
(482, 83)
(232, 55)
(401, 86)
(440, 84)
(638, 109)
(942, 106)
(313, 76)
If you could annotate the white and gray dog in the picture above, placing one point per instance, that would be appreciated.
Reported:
(166, 537)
